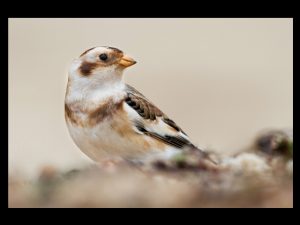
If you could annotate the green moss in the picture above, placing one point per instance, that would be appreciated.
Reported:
(290, 148)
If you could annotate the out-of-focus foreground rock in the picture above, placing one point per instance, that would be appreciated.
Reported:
(261, 176)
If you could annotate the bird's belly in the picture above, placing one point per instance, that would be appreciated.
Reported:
(111, 139)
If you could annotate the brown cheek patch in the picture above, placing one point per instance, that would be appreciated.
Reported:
(87, 68)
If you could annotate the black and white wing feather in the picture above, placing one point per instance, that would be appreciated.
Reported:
(151, 121)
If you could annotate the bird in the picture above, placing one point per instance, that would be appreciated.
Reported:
(108, 118)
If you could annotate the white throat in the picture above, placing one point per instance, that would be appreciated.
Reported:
(94, 87)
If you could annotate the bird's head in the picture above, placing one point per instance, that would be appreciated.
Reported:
(100, 63)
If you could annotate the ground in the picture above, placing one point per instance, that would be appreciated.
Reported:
(261, 176)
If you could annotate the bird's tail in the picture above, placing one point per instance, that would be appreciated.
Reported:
(204, 154)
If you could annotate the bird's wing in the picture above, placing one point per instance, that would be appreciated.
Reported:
(151, 121)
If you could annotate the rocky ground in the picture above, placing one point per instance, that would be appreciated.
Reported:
(260, 176)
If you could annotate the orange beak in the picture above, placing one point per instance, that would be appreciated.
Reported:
(127, 61)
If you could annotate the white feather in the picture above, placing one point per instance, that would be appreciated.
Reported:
(157, 126)
(101, 140)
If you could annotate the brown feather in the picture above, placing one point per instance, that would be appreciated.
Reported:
(105, 110)
(86, 51)
(146, 109)
(87, 68)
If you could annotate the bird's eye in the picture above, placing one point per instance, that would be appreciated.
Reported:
(103, 57)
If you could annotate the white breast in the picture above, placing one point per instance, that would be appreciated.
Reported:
(97, 142)
(103, 141)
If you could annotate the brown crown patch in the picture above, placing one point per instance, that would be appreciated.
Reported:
(86, 51)
(115, 49)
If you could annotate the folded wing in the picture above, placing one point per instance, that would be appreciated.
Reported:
(151, 121)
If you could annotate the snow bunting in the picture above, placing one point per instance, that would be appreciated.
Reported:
(108, 118)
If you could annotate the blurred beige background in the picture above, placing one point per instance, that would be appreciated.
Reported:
(221, 80)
